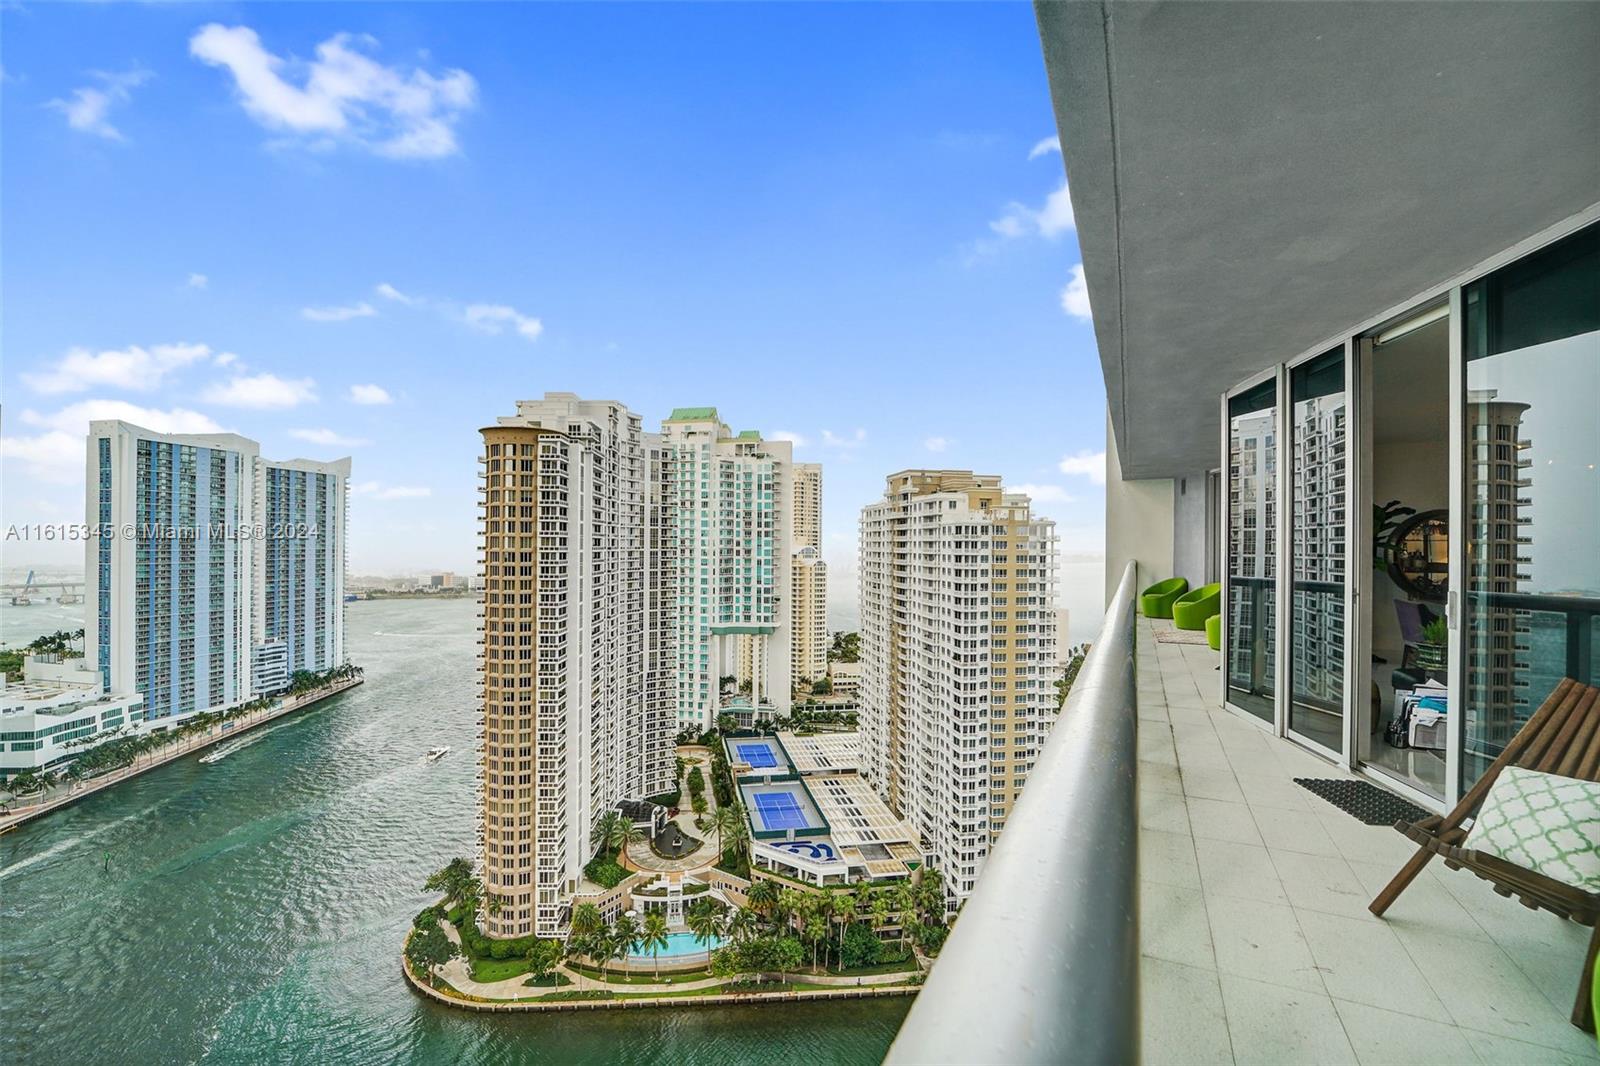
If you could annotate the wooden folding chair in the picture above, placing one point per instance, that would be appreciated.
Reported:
(1562, 737)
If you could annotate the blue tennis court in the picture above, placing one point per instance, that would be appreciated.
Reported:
(779, 810)
(757, 756)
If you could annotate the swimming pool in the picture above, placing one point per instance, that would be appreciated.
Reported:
(678, 945)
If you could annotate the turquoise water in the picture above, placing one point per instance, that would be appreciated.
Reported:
(251, 911)
(680, 944)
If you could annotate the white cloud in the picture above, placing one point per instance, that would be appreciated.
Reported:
(793, 438)
(88, 107)
(342, 95)
(1091, 465)
(494, 318)
(1044, 493)
(1075, 297)
(56, 457)
(379, 491)
(76, 418)
(1051, 220)
(833, 440)
(936, 444)
(1045, 147)
(57, 454)
(263, 391)
(225, 359)
(370, 395)
(133, 367)
(338, 314)
(328, 438)
(198, 281)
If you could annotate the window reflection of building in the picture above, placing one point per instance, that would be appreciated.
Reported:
(1253, 468)
(1317, 644)
(1499, 482)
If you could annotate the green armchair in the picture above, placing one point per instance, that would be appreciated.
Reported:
(1156, 601)
(1191, 610)
(1214, 631)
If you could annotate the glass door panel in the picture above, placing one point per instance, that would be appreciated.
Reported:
(1318, 434)
(1531, 464)
(1252, 547)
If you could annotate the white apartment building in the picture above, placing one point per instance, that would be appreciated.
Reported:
(958, 656)
(578, 664)
(734, 570)
(298, 575)
(59, 708)
(215, 573)
(808, 577)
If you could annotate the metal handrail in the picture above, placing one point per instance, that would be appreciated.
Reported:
(1043, 963)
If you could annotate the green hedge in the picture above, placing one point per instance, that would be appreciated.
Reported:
(604, 870)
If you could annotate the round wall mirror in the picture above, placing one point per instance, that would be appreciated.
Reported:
(1419, 555)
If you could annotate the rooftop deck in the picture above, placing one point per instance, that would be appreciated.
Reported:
(1256, 941)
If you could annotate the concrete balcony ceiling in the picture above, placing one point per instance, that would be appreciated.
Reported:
(1250, 180)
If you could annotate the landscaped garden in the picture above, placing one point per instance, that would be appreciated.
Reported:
(784, 932)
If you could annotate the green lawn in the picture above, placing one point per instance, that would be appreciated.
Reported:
(489, 970)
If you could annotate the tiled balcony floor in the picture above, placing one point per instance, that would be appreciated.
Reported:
(1258, 946)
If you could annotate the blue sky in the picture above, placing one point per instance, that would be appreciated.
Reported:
(840, 222)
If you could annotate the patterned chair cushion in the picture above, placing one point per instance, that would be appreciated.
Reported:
(1544, 823)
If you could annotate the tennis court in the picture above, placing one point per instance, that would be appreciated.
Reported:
(779, 810)
(757, 756)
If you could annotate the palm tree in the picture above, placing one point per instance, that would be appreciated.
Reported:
(789, 903)
(724, 820)
(606, 832)
(454, 879)
(586, 920)
(814, 923)
(654, 936)
(763, 896)
(861, 898)
(626, 929)
(704, 920)
(742, 925)
(880, 910)
(631, 834)
(580, 944)
(602, 948)
(828, 909)
(737, 835)
(904, 900)
(930, 894)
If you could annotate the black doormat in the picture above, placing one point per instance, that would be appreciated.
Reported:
(1363, 800)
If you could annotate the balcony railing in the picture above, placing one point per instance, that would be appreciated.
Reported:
(1043, 964)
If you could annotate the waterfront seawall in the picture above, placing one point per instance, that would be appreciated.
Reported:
(217, 735)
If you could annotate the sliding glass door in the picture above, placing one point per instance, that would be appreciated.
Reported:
(1252, 571)
(1530, 475)
(1317, 513)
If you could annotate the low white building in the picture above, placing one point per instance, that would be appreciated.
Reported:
(59, 711)
(845, 678)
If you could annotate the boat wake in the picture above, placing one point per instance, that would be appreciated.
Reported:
(229, 747)
(66, 845)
